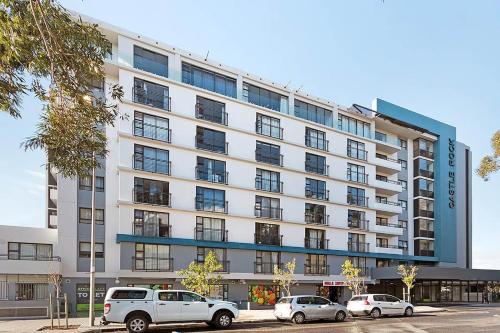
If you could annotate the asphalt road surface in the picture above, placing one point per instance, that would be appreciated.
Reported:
(457, 320)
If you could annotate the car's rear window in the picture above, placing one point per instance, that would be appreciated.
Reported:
(359, 298)
(285, 300)
(129, 294)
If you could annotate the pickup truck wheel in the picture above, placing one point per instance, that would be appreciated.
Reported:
(137, 324)
(223, 320)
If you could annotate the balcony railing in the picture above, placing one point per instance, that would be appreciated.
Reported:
(33, 257)
(389, 181)
(321, 219)
(152, 198)
(213, 177)
(423, 153)
(153, 264)
(224, 263)
(317, 143)
(424, 173)
(269, 130)
(155, 165)
(316, 243)
(383, 200)
(319, 195)
(316, 269)
(268, 185)
(357, 177)
(222, 149)
(150, 65)
(359, 154)
(383, 157)
(324, 170)
(423, 233)
(210, 205)
(358, 247)
(265, 267)
(357, 200)
(387, 246)
(423, 193)
(274, 160)
(425, 253)
(362, 224)
(156, 100)
(151, 229)
(151, 131)
(212, 114)
(423, 213)
(387, 224)
(210, 234)
(267, 212)
(265, 239)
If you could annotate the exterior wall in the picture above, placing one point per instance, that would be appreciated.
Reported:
(464, 205)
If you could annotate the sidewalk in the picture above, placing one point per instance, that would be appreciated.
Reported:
(81, 324)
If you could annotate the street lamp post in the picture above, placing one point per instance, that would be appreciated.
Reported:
(92, 254)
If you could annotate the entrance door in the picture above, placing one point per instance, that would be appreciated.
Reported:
(334, 294)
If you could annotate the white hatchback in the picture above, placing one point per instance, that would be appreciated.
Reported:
(376, 305)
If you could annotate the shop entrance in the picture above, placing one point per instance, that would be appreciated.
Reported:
(334, 294)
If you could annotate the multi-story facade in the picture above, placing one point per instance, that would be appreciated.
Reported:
(206, 157)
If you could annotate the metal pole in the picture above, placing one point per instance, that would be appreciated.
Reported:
(92, 253)
(66, 309)
(51, 312)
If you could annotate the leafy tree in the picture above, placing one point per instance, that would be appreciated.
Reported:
(199, 277)
(285, 278)
(490, 163)
(351, 274)
(46, 51)
(408, 276)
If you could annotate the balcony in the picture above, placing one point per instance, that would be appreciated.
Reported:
(266, 212)
(214, 114)
(387, 248)
(359, 154)
(202, 203)
(222, 148)
(317, 143)
(152, 198)
(269, 130)
(319, 219)
(360, 224)
(423, 233)
(357, 177)
(423, 153)
(386, 228)
(424, 253)
(316, 243)
(224, 263)
(423, 213)
(384, 206)
(266, 239)
(357, 200)
(211, 176)
(424, 173)
(156, 100)
(318, 195)
(211, 235)
(316, 269)
(387, 187)
(153, 264)
(265, 267)
(358, 247)
(324, 170)
(274, 160)
(387, 143)
(152, 132)
(154, 165)
(151, 229)
(386, 165)
(268, 185)
(30, 265)
(417, 192)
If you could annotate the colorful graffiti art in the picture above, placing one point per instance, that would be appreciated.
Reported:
(263, 295)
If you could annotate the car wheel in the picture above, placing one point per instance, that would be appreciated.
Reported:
(299, 318)
(375, 313)
(223, 320)
(408, 312)
(340, 316)
(137, 324)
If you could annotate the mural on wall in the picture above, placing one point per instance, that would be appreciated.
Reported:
(263, 294)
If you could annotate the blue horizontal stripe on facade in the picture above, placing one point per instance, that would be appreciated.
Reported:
(250, 246)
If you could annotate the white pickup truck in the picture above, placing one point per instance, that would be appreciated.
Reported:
(139, 307)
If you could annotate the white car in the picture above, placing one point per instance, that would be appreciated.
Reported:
(376, 305)
(302, 308)
(139, 307)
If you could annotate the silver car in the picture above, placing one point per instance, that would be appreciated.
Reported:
(306, 307)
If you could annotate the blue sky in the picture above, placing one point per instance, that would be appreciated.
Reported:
(438, 58)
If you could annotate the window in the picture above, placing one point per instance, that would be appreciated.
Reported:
(354, 126)
(404, 164)
(268, 153)
(266, 233)
(424, 228)
(129, 294)
(212, 200)
(266, 260)
(31, 291)
(403, 224)
(356, 243)
(316, 139)
(315, 239)
(356, 219)
(168, 296)
(209, 80)
(190, 297)
(210, 139)
(316, 189)
(424, 247)
(210, 110)
(85, 183)
(359, 262)
(404, 184)
(152, 257)
(152, 127)
(85, 215)
(423, 188)
(356, 196)
(382, 221)
(29, 251)
(269, 181)
(150, 61)
(382, 242)
(150, 191)
(313, 113)
(218, 292)
(422, 147)
(381, 136)
(423, 208)
(268, 126)
(356, 150)
(265, 98)
(220, 255)
(85, 249)
(403, 204)
(356, 173)
(151, 159)
(151, 224)
(151, 94)
(316, 264)
(320, 301)
(315, 214)
(266, 207)
(403, 143)
(424, 168)
(305, 300)
(210, 229)
(317, 164)
(211, 170)
(403, 245)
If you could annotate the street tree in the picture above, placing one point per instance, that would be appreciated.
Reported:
(285, 277)
(351, 274)
(408, 276)
(199, 277)
(490, 163)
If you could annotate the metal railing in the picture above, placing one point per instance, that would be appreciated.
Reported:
(318, 143)
(210, 234)
(423, 193)
(359, 154)
(387, 224)
(34, 257)
(268, 212)
(141, 96)
(423, 233)
(324, 170)
(223, 149)
(357, 200)
(426, 253)
(265, 267)
(269, 130)
(321, 219)
(387, 202)
(387, 246)
(213, 177)
(150, 65)
(212, 114)
(224, 263)
(386, 180)
(316, 243)
(153, 132)
(152, 198)
(210, 205)
(383, 157)
(423, 153)
(357, 177)
(319, 195)
(265, 239)
(155, 165)
(362, 224)
(274, 160)
(148, 229)
(316, 269)
(358, 247)
(423, 213)
(268, 185)
(152, 264)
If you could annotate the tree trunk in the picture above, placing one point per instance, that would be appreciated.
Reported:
(58, 308)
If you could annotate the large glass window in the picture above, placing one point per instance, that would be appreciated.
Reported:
(152, 127)
(269, 126)
(210, 229)
(265, 262)
(84, 250)
(356, 149)
(151, 94)
(356, 196)
(209, 80)
(151, 224)
(265, 98)
(424, 168)
(220, 255)
(313, 113)
(423, 188)
(269, 181)
(316, 139)
(29, 251)
(211, 110)
(356, 173)
(316, 264)
(150, 61)
(424, 247)
(151, 191)
(85, 215)
(266, 207)
(315, 163)
(315, 214)
(424, 228)
(423, 208)
(268, 153)
(354, 126)
(152, 257)
(316, 189)
(422, 147)
(268, 234)
(212, 200)
(211, 170)
(356, 219)
(151, 159)
(315, 239)
(210, 139)
(356, 242)
(85, 183)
